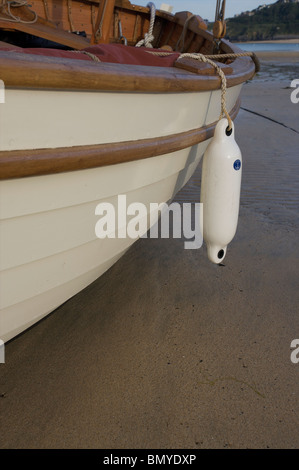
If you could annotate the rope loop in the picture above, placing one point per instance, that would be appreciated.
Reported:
(203, 58)
(209, 60)
(149, 37)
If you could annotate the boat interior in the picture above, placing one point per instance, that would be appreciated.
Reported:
(94, 30)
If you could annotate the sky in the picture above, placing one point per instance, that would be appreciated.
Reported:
(206, 8)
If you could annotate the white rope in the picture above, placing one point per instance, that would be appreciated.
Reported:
(148, 37)
(208, 59)
(222, 76)
(92, 56)
(218, 56)
(15, 4)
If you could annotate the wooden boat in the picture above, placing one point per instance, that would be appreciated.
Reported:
(95, 21)
(75, 131)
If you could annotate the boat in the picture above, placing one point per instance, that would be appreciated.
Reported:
(96, 21)
(91, 119)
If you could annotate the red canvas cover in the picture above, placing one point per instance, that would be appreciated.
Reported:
(113, 53)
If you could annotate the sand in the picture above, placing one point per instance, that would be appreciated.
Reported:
(284, 56)
(275, 41)
(166, 350)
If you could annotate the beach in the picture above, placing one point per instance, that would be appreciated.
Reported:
(285, 56)
(167, 350)
(275, 41)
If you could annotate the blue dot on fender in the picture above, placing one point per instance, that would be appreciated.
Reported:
(237, 164)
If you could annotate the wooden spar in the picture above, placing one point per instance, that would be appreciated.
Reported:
(103, 22)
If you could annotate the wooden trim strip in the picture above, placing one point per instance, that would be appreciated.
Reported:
(20, 70)
(23, 163)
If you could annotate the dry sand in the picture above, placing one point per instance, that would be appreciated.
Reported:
(167, 350)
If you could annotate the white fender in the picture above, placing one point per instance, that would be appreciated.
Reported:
(220, 191)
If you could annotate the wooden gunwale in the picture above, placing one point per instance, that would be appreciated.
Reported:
(24, 163)
(19, 70)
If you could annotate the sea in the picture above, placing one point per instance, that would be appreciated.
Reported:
(268, 47)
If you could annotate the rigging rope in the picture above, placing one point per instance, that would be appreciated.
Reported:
(15, 4)
(148, 37)
(209, 60)
(222, 76)
(219, 28)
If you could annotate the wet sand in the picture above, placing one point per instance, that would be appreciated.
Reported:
(284, 56)
(275, 41)
(166, 350)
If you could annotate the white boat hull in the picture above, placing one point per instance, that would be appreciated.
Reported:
(48, 246)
